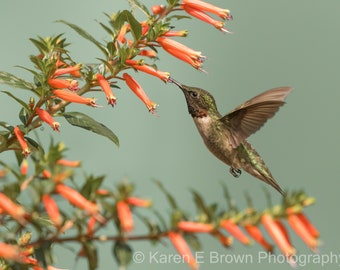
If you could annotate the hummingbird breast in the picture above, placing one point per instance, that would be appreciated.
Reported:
(216, 138)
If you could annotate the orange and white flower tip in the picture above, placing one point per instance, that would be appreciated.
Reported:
(139, 92)
(183, 249)
(47, 118)
(125, 216)
(24, 167)
(182, 33)
(23, 144)
(159, 9)
(73, 97)
(105, 85)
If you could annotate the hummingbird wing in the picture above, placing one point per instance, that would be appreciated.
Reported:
(250, 116)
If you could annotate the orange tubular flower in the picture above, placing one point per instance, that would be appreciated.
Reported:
(125, 216)
(69, 163)
(182, 33)
(302, 231)
(230, 226)
(11, 252)
(72, 70)
(52, 210)
(310, 227)
(104, 84)
(182, 52)
(61, 83)
(164, 76)
(182, 248)
(226, 241)
(16, 211)
(73, 97)
(46, 174)
(138, 90)
(203, 6)
(135, 201)
(256, 234)
(278, 235)
(121, 36)
(90, 227)
(195, 227)
(47, 118)
(204, 17)
(78, 200)
(23, 144)
(148, 53)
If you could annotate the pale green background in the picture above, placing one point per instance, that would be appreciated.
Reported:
(274, 43)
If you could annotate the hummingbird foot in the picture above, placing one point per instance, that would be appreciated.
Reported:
(235, 172)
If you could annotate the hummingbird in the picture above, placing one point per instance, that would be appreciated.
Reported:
(225, 136)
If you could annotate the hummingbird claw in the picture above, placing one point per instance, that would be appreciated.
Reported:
(235, 172)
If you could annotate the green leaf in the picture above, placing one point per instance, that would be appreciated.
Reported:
(20, 101)
(169, 197)
(91, 186)
(172, 2)
(91, 254)
(126, 16)
(193, 241)
(141, 6)
(85, 35)
(122, 253)
(84, 121)
(201, 205)
(23, 115)
(10, 79)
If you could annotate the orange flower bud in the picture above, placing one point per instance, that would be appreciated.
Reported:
(230, 226)
(158, 9)
(302, 231)
(125, 216)
(226, 241)
(195, 227)
(46, 174)
(91, 226)
(279, 234)
(16, 211)
(121, 36)
(78, 200)
(135, 201)
(72, 70)
(164, 76)
(2, 173)
(23, 144)
(47, 118)
(69, 163)
(182, 248)
(52, 210)
(138, 90)
(256, 234)
(104, 84)
(61, 83)
(203, 6)
(24, 167)
(73, 97)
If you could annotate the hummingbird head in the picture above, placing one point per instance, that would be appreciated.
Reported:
(199, 101)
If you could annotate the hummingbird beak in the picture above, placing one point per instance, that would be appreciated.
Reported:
(181, 86)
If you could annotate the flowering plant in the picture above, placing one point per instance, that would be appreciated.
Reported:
(34, 222)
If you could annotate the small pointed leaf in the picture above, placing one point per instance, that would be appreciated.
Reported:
(21, 102)
(138, 4)
(84, 121)
(10, 79)
(85, 35)
(122, 253)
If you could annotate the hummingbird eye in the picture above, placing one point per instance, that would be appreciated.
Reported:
(194, 94)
